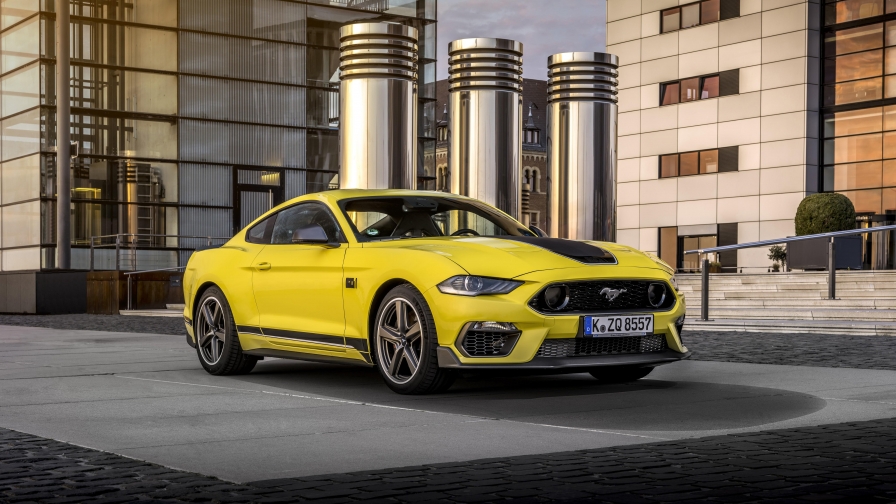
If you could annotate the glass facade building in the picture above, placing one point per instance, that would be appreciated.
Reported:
(192, 116)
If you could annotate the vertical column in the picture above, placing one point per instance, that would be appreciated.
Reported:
(378, 106)
(582, 117)
(485, 123)
(63, 139)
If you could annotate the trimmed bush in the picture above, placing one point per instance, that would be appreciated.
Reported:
(824, 213)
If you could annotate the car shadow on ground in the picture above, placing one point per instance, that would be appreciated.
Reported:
(570, 400)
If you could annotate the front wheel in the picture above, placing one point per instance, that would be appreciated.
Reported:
(620, 374)
(217, 342)
(406, 344)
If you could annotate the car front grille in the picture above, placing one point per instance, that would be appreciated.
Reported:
(590, 297)
(582, 347)
(488, 344)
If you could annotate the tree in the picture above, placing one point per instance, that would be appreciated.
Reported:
(824, 213)
(778, 255)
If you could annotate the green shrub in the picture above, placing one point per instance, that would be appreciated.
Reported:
(824, 213)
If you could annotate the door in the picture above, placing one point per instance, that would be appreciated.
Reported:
(298, 287)
(255, 192)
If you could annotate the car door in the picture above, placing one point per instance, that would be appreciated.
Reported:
(298, 287)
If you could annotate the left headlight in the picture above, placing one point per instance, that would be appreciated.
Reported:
(674, 283)
(464, 285)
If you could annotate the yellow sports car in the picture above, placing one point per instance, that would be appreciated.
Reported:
(424, 285)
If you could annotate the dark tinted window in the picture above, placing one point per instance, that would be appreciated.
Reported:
(302, 216)
(261, 232)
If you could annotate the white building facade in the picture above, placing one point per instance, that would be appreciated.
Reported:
(718, 123)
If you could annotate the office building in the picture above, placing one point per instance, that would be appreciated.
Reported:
(731, 112)
(192, 116)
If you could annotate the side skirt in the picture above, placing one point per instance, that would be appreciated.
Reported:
(283, 354)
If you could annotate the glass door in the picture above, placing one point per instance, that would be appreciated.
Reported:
(255, 192)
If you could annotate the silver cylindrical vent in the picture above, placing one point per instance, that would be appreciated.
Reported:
(378, 106)
(582, 117)
(485, 123)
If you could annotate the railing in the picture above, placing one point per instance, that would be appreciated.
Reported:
(130, 241)
(131, 275)
(832, 270)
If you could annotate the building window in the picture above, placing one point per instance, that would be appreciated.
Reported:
(690, 15)
(699, 162)
(853, 10)
(860, 64)
(700, 88)
(860, 157)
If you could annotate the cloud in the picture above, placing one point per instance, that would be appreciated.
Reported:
(544, 27)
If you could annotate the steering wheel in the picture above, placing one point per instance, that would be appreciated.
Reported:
(465, 231)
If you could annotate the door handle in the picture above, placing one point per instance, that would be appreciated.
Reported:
(263, 266)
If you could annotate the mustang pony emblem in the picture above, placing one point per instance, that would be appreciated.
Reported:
(611, 293)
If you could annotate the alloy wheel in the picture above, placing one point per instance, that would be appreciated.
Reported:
(399, 337)
(210, 331)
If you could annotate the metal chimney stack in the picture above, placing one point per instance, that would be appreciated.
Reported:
(485, 123)
(582, 117)
(378, 106)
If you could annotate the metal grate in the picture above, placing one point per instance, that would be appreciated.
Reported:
(488, 344)
(586, 297)
(580, 347)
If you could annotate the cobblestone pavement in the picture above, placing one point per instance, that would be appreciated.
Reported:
(108, 323)
(839, 462)
(823, 350)
(859, 352)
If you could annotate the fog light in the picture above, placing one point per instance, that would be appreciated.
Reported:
(494, 326)
(556, 297)
(656, 294)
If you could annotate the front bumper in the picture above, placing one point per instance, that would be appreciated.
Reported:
(448, 359)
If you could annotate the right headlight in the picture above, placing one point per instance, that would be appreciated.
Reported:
(466, 285)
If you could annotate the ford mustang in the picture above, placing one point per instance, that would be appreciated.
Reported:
(423, 286)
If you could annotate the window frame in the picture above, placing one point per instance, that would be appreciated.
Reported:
(678, 82)
(271, 220)
(699, 154)
(681, 8)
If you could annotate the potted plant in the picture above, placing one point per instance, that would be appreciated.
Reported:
(825, 213)
(715, 267)
(778, 255)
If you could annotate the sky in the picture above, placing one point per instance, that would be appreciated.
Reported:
(545, 27)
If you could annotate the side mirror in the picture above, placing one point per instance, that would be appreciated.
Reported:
(538, 232)
(313, 234)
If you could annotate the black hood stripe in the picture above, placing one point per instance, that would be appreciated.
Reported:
(575, 250)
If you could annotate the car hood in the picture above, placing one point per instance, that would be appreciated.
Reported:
(512, 256)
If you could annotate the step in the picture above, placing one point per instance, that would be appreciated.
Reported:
(869, 304)
(846, 327)
(796, 314)
(153, 313)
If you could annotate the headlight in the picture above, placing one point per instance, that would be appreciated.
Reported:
(464, 285)
(674, 283)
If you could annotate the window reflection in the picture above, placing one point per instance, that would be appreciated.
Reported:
(857, 176)
(13, 11)
(709, 161)
(690, 15)
(854, 66)
(853, 149)
(851, 10)
(671, 20)
(853, 40)
(20, 90)
(690, 89)
(867, 201)
(20, 45)
(854, 122)
(710, 88)
(852, 92)
(120, 45)
(688, 164)
(670, 94)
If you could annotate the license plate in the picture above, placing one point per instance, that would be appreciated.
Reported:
(618, 325)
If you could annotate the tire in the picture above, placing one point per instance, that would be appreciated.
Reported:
(398, 344)
(620, 374)
(217, 343)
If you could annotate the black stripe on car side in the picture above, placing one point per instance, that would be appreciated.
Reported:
(249, 329)
(311, 337)
(188, 322)
(357, 343)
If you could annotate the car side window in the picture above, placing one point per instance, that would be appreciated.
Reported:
(302, 216)
(261, 232)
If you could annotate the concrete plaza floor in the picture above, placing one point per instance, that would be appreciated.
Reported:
(145, 396)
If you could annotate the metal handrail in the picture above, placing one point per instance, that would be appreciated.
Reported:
(132, 244)
(130, 281)
(832, 270)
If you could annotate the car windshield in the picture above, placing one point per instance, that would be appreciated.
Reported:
(426, 216)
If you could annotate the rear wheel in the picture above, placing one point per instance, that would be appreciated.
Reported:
(217, 342)
(620, 374)
(406, 344)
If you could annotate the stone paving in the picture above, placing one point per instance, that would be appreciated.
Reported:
(839, 462)
(858, 352)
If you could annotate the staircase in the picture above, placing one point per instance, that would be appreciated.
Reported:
(795, 302)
